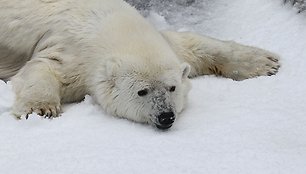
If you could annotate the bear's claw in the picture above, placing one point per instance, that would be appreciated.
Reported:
(45, 111)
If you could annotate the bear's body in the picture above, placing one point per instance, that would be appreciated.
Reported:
(58, 51)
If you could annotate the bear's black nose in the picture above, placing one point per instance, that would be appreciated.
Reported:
(166, 120)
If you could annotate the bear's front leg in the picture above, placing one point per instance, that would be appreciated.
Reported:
(222, 58)
(36, 90)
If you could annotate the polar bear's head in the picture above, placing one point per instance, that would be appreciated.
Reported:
(144, 92)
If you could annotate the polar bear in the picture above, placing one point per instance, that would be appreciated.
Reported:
(58, 51)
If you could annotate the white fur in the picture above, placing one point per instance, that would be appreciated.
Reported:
(67, 49)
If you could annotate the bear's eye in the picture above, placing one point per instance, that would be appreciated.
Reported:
(143, 92)
(172, 89)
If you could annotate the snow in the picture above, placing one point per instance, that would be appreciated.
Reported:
(256, 126)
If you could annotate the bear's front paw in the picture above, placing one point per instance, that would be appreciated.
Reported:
(253, 62)
(263, 64)
(45, 109)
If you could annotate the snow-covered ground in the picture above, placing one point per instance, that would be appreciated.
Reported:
(256, 126)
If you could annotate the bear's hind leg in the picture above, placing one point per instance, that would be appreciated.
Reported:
(36, 90)
(222, 58)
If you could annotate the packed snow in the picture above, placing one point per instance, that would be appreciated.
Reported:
(256, 126)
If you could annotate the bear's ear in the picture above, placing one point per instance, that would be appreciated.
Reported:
(111, 68)
(185, 69)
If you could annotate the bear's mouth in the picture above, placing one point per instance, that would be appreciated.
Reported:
(163, 127)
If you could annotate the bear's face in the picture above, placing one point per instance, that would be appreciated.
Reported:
(152, 94)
